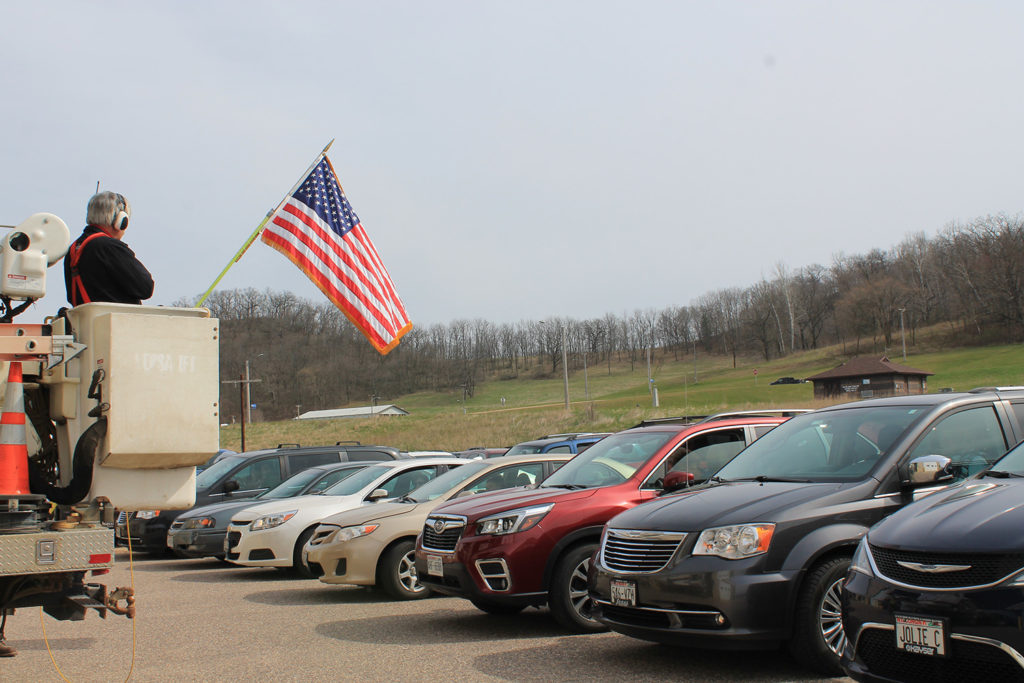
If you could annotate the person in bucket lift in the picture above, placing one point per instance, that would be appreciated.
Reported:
(99, 266)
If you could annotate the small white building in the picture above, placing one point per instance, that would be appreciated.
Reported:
(361, 412)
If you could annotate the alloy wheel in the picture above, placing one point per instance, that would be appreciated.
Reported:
(830, 618)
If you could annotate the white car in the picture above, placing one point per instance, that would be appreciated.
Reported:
(272, 534)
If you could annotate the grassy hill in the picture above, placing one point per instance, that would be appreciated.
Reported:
(619, 398)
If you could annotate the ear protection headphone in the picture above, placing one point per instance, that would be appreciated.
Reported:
(121, 216)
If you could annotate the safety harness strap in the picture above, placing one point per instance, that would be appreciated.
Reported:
(78, 294)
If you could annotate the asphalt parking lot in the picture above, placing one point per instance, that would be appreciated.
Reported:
(203, 620)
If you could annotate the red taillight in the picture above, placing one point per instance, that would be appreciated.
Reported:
(100, 558)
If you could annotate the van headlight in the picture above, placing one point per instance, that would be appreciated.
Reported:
(735, 542)
(861, 561)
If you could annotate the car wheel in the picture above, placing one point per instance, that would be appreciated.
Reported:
(818, 636)
(396, 574)
(496, 608)
(568, 599)
(306, 571)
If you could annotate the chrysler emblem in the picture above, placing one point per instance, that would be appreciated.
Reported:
(439, 526)
(933, 568)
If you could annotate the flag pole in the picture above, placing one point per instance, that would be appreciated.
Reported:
(259, 228)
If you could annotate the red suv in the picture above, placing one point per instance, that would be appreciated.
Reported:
(509, 550)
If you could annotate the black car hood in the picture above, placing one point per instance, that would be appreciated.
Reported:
(723, 504)
(981, 515)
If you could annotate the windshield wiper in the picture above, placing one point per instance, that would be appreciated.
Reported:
(1001, 474)
(571, 487)
(762, 478)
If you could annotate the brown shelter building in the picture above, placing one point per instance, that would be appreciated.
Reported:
(865, 377)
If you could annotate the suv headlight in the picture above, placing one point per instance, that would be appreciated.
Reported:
(861, 561)
(349, 532)
(146, 514)
(513, 521)
(270, 521)
(735, 542)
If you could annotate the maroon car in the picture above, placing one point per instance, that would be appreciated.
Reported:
(509, 550)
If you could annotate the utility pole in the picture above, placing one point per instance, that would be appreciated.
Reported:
(903, 336)
(243, 396)
(248, 398)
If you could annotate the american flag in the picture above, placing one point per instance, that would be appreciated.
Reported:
(319, 232)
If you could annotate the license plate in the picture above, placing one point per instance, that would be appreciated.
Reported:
(623, 593)
(434, 565)
(920, 635)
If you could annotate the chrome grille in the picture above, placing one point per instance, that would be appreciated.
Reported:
(632, 550)
(442, 533)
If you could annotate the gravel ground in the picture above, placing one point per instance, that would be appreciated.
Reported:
(203, 620)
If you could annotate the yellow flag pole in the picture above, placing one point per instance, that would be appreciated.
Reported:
(259, 228)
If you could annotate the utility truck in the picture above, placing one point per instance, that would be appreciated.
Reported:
(121, 404)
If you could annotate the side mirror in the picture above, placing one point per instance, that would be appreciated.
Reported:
(676, 480)
(929, 469)
(378, 494)
(230, 486)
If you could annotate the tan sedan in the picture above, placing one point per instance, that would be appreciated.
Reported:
(374, 545)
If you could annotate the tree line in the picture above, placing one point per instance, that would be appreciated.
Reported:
(307, 356)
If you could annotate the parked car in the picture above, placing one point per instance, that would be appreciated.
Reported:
(245, 475)
(479, 453)
(558, 443)
(200, 532)
(273, 534)
(507, 551)
(936, 591)
(375, 545)
(756, 557)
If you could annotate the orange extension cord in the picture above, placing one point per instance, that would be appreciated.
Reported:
(131, 572)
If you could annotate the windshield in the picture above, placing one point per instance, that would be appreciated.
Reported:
(612, 460)
(840, 445)
(524, 449)
(214, 472)
(447, 481)
(357, 482)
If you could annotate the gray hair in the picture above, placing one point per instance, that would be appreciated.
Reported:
(103, 208)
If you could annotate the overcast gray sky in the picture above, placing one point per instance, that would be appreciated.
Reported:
(516, 160)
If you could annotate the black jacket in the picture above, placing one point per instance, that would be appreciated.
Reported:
(109, 270)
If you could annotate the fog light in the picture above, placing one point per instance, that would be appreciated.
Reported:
(720, 619)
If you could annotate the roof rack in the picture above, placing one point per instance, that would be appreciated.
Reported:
(768, 412)
(569, 435)
(979, 390)
(682, 419)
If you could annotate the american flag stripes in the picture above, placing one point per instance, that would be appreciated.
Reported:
(319, 232)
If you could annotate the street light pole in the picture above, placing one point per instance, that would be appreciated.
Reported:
(565, 369)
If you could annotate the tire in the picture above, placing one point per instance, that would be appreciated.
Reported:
(818, 636)
(396, 573)
(496, 608)
(310, 571)
(568, 599)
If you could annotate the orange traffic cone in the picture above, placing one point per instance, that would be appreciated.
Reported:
(13, 451)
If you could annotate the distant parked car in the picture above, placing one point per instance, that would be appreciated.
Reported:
(558, 443)
(273, 534)
(200, 532)
(788, 380)
(936, 591)
(244, 475)
(480, 453)
(375, 545)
